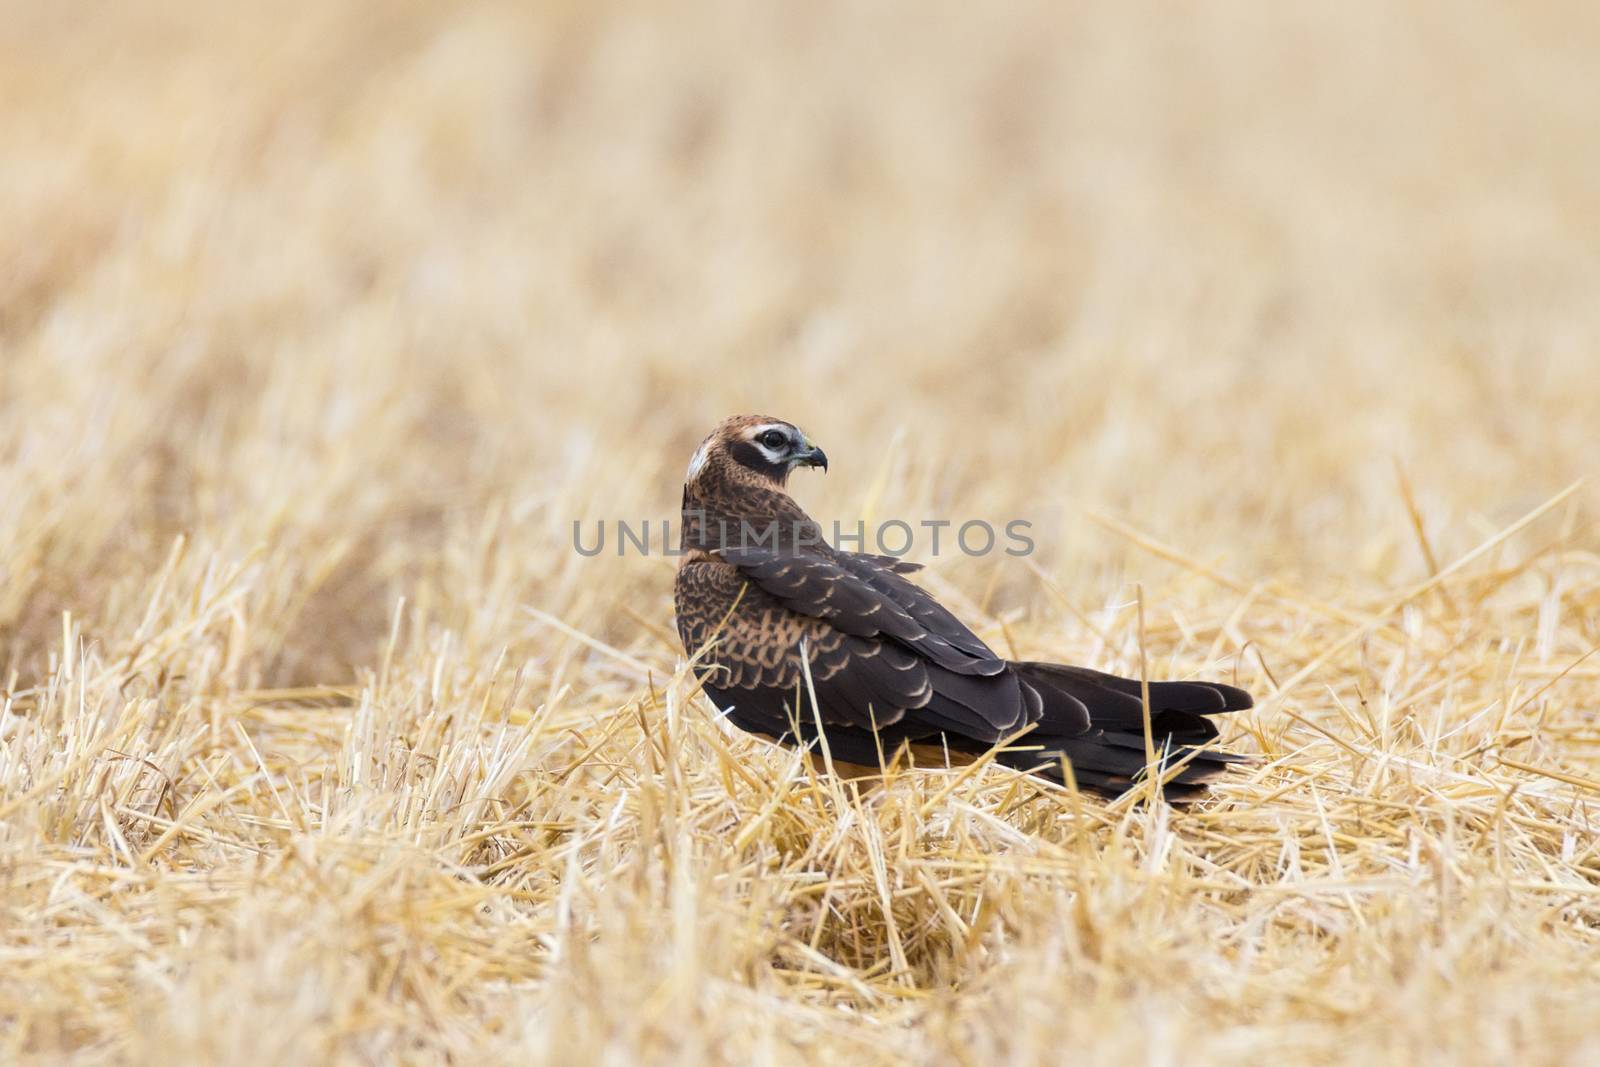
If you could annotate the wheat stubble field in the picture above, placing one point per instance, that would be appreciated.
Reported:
(320, 325)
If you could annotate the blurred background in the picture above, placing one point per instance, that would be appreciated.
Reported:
(378, 299)
(321, 323)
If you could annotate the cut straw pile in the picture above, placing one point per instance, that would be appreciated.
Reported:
(320, 327)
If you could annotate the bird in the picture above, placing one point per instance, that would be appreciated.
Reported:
(807, 645)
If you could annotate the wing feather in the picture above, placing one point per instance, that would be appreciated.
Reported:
(871, 662)
(863, 596)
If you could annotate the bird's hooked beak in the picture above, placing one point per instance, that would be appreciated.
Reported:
(811, 456)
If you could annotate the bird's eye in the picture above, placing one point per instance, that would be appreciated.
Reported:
(773, 439)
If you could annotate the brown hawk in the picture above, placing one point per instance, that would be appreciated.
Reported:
(889, 666)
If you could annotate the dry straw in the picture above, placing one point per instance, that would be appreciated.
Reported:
(318, 329)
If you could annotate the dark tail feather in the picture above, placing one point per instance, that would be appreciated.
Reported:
(1108, 757)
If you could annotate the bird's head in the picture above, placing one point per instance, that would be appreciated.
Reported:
(755, 449)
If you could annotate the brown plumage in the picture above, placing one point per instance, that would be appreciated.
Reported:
(889, 665)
